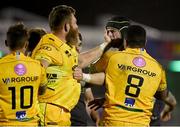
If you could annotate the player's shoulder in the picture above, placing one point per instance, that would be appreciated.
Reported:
(47, 38)
(31, 61)
(152, 59)
(8, 59)
(108, 54)
(114, 54)
(51, 40)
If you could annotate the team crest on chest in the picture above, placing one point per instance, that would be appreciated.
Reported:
(139, 62)
(20, 69)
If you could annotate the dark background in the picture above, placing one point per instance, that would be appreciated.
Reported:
(161, 14)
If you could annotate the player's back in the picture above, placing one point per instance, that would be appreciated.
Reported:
(132, 78)
(20, 78)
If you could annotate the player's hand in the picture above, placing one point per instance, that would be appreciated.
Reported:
(96, 103)
(97, 122)
(165, 115)
(78, 74)
(95, 117)
(107, 39)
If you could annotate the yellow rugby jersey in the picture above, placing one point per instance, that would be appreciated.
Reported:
(101, 64)
(63, 89)
(132, 79)
(20, 78)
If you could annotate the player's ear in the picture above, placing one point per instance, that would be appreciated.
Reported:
(66, 27)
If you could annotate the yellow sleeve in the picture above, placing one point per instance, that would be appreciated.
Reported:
(43, 77)
(49, 53)
(163, 83)
(101, 64)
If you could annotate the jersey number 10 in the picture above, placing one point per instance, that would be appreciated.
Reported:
(22, 96)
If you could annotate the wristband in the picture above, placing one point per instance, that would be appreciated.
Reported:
(102, 46)
(86, 77)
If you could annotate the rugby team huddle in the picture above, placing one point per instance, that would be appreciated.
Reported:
(42, 77)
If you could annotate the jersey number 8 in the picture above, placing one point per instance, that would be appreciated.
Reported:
(136, 86)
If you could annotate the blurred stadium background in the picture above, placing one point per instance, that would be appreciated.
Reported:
(159, 17)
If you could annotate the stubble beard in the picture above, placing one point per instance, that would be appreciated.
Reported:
(72, 36)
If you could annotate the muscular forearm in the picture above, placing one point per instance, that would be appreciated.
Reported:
(170, 101)
(94, 115)
(90, 56)
(96, 78)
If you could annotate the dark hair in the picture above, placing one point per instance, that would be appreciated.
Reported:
(35, 35)
(17, 35)
(136, 36)
(119, 22)
(59, 15)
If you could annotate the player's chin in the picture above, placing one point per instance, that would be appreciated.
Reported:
(116, 43)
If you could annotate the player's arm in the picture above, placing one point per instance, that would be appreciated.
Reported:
(101, 64)
(96, 78)
(165, 95)
(43, 79)
(42, 89)
(44, 63)
(43, 58)
(94, 114)
(170, 103)
(46, 56)
(96, 103)
(43, 86)
(92, 55)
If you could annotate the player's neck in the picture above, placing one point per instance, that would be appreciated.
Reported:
(60, 35)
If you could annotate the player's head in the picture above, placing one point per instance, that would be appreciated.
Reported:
(116, 29)
(59, 16)
(135, 37)
(62, 18)
(35, 35)
(17, 37)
